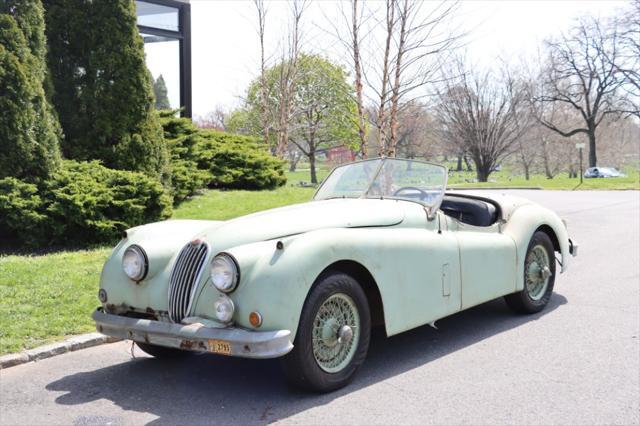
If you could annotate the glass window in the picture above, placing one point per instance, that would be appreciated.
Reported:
(387, 178)
(410, 180)
(157, 16)
(163, 59)
(349, 181)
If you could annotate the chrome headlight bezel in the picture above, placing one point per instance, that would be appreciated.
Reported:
(141, 256)
(225, 301)
(224, 272)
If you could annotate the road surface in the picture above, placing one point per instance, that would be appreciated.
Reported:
(578, 362)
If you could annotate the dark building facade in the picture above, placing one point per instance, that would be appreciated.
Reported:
(165, 26)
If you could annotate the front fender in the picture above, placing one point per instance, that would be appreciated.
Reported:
(521, 226)
(273, 281)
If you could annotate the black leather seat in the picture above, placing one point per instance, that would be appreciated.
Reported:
(469, 211)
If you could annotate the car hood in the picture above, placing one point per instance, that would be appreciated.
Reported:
(300, 218)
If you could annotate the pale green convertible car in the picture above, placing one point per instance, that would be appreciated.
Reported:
(381, 243)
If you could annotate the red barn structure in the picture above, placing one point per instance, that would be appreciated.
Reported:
(340, 155)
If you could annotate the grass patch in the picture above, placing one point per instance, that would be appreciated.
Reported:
(561, 182)
(223, 205)
(44, 298)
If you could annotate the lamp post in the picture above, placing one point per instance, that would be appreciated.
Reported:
(580, 146)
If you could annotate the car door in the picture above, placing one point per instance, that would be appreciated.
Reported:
(487, 262)
(418, 272)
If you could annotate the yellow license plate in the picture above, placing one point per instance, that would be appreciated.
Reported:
(219, 346)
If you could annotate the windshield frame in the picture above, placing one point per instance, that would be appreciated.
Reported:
(431, 209)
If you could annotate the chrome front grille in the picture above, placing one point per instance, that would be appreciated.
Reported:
(184, 278)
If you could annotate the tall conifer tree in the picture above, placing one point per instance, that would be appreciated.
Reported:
(160, 92)
(29, 132)
(101, 87)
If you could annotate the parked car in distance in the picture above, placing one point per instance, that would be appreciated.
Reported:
(380, 244)
(602, 172)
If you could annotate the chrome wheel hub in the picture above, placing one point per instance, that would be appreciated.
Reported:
(336, 333)
(537, 272)
(345, 334)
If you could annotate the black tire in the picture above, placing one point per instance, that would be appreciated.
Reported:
(162, 352)
(522, 301)
(300, 365)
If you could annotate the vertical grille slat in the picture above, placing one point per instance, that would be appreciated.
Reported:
(177, 280)
(184, 278)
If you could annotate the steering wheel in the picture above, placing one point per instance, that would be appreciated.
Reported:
(423, 194)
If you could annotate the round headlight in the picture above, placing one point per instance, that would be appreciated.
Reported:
(223, 308)
(134, 263)
(224, 273)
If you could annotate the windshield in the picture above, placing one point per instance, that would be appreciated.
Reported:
(386, 178)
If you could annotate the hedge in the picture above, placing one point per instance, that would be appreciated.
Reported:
(207, 158)
(83, 203)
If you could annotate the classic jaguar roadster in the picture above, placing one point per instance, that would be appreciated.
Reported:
(381, 243)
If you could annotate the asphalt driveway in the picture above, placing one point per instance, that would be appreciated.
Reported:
(578, 362)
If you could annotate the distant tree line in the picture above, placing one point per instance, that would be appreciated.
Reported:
(409, 90)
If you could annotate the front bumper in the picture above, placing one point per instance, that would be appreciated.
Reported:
(196, 337)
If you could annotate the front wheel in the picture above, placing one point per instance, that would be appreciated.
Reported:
(333, 335)
(539, 276)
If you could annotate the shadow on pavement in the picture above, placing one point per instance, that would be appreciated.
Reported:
(209, 388)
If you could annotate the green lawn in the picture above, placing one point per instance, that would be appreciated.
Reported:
(46, 297)
(222, 205)
(562, 181)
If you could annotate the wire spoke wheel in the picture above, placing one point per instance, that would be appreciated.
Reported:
(336, 333)
(537, 272)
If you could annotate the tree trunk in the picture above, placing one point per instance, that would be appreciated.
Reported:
(459, 165)
(481, 174)
(525, 165)
(468, 164)
(312, 166)
(395, 92)
(358, 82)
(545, 161)
(483, 170)
(263, 80)
(593, 160)
(293, 164)
(382, 137)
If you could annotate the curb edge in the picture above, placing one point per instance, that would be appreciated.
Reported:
(70, 344)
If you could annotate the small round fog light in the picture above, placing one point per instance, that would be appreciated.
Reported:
(102, 295)
(223, 308)
(255, 318)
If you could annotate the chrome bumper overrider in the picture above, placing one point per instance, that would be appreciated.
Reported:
(195, 337)
(573, 248)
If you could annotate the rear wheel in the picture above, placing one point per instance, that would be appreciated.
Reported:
(333, 335)
(539, 276)
(162, 352)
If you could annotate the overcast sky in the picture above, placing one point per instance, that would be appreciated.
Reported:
(226, 50)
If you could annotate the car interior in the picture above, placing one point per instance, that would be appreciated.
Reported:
(470, 210)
